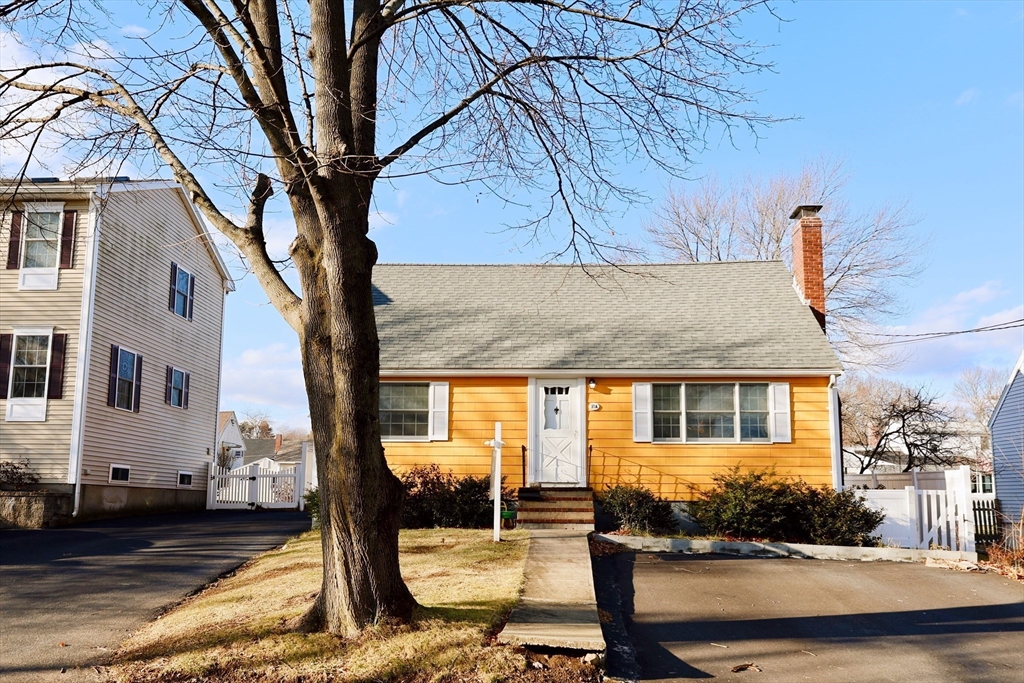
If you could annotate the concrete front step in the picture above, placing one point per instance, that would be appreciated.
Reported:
(535, 515)
(556, 505)
(568, 526)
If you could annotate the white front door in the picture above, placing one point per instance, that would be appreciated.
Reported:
(559, 448)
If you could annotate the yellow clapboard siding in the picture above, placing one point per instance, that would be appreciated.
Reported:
(673, 471)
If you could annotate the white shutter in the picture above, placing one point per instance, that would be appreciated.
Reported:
(643, 417)
(438, 429)
(780, 413)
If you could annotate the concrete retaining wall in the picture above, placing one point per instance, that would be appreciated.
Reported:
(124, 501)
(802, 550)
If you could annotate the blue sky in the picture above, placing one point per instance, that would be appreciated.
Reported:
(924, 101)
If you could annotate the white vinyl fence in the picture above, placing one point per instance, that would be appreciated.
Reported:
(928, 518)
(896, 480)
(262, 484)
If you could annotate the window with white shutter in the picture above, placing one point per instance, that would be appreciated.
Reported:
(781, 414)
(642, 412)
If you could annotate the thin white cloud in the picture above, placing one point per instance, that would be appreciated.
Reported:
(966, 97)
(133, 31)
(940, 361)
(269, 377)
(382, 219)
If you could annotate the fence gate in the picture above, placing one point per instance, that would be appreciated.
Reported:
(263, 484)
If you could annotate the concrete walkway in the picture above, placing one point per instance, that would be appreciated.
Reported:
(558, 607)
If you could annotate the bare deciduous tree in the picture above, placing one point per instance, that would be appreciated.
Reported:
(868, 254)
(885, 422)
(319, 101)
(977, 392)
(255, 424)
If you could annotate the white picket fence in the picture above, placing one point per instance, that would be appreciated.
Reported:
(928, 518)
(262, 484)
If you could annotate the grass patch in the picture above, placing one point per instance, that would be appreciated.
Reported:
(241, 628)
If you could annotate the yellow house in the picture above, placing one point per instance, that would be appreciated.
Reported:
(660, 375)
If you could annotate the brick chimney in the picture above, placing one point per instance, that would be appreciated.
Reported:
(808, 271)
(277, 444)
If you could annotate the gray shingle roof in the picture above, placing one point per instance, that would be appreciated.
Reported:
(698, 316)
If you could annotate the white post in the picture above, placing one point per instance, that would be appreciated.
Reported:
(300, 480)
(913, 473)
(965, 507)
(496, 445)
(912, 517)
(211, 485)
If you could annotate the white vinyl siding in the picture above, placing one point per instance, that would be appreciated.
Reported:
(46, 445)
(143, 231)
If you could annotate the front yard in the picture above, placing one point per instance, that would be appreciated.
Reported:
(242, 628)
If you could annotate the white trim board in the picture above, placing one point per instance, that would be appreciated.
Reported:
(640, 373)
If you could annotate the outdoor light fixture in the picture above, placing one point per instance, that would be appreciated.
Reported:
(592, 384)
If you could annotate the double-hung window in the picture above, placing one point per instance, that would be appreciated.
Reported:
(31, 371)
(176, 393)
(723, 412)
(124, 391)
(414, 411)
(41, 242)
(181, 295)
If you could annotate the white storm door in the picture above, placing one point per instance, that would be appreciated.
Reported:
(560, 458)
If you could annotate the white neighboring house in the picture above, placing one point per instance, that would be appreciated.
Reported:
(1007, 427)
(230, 444)
(110, 342)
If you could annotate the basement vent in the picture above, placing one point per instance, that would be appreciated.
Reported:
(119, 473)
(185, 480)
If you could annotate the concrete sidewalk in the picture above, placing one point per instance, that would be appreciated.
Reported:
(558, 607)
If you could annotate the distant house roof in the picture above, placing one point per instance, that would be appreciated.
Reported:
(259, 448)
(691, 317)
(223, 417)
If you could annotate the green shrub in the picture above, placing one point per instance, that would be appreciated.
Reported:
(637, 510)
(440, 499)
(759, 505)
(312, 498)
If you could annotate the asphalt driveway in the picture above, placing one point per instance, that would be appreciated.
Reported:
(69, 596)
(698, 616)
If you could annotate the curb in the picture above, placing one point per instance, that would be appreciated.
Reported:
(799, 550)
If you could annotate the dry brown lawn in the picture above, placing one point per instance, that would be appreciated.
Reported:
(241, 628)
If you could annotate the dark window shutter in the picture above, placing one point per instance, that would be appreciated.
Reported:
(112, 387)
(6, 341)
(14, 246)
(191, 294)
(138, 382)
(174, 283)
(184, 393)
(170, 383)
(67, 239)
(55, 385)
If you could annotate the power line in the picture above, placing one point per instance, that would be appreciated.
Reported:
(925, 336)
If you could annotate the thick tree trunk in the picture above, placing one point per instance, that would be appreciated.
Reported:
(360, 499)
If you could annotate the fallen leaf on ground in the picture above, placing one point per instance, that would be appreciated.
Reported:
(743, 667)
(62, 644)
(808, 653)
(717, 645)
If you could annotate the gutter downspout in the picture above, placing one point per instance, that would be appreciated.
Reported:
(85, 346)
(833, 433)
